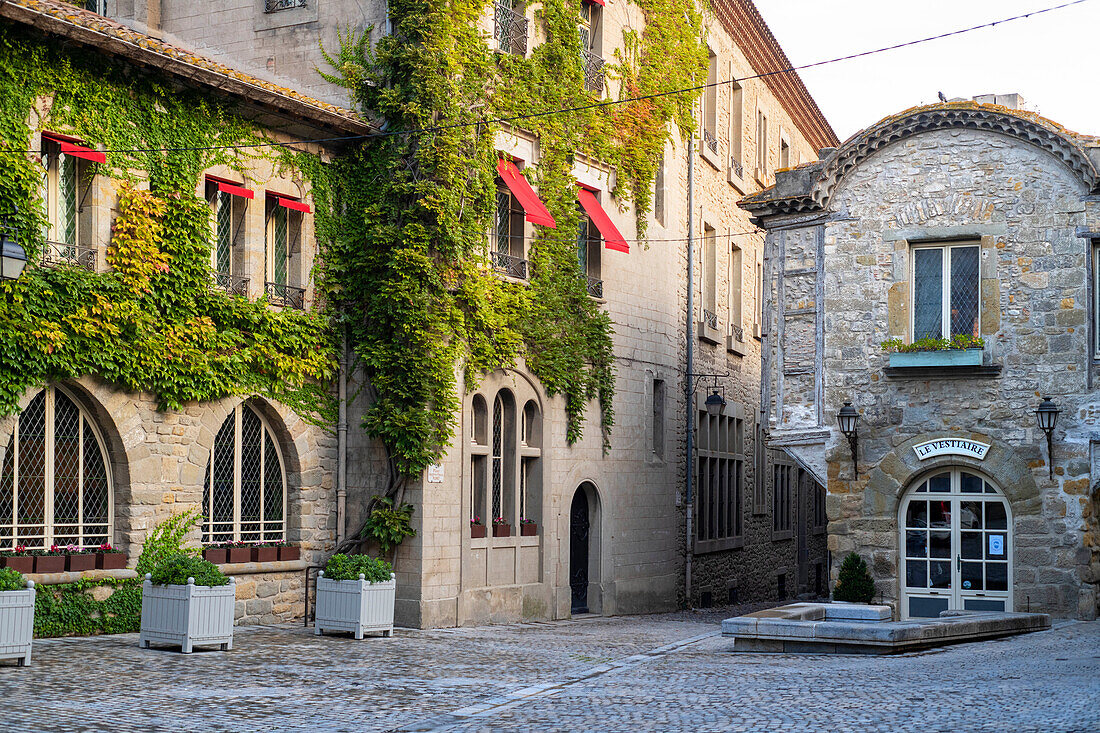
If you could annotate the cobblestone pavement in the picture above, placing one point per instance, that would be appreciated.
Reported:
(670, 672)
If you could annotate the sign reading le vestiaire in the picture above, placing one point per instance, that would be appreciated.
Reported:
(951, 447)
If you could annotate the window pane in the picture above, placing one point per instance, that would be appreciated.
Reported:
(972, 576)
(927, 293)
(940, 574)
(970, 515)
(940, 482)
(964, 291)
(916, 544)
(916, 515)
(970, 484)
(940, 545)
(940, 514)
(66, 199)
(224, 226)
(996, 574)
(995, 517)
(972, 545)
(916, 573)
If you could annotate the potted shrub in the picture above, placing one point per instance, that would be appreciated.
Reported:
(187, 601)
(21, 560)
(355, 593)
(477, 529)
(264, 552)
(49, 561)
(854, 583)
(501, 528)
(77, 559)
(215, 553)
(288, 551)
(16, 616)
(528, 527)
(109, 558)
(238, 552)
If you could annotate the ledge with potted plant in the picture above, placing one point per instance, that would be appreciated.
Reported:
(52, 560)
(477, 529)
(16, 616)
(501, 527)
(528, 527)
(108, 557)
(355, 593)
(962, 350)
(187, 601)
(21, 559)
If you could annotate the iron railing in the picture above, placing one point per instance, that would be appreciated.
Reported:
(737, 332)
(710, 319)
(736, 167)
(274, 6)
(510, 265)
(232, 284)
(595, 286)
(710, 141)
(58, 253)
(510, 28)
(593, 72)
(287, 296)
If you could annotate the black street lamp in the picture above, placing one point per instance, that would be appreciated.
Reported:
(1047, 417)
(12, 256)
(848, 417)
(714, 403)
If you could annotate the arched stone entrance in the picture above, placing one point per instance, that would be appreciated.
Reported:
(584, 550)
(955, 543)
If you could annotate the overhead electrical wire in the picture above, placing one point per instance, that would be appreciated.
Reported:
(594, 105)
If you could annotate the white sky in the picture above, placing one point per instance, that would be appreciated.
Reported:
(1049, 58)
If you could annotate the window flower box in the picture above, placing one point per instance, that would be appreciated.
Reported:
(187, 615)
(108, 558)
(289, 553)
(939, 358)
(357, 606)
(79, 562)
(216, 555)
(49, 563)
(527, 528)
(502, 529)
(265, 553)
(19, 562)
(238, 553)
(17, 624)
(477, 531)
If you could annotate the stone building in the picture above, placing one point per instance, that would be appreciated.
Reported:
(611, 531)
(969, 220)
(85, 462)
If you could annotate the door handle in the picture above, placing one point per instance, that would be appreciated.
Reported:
(959, 562)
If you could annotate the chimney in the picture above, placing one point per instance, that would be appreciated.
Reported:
(1012, 101)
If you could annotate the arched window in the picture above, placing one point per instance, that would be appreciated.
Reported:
(505, 448)
(244, 497)
(55, 481)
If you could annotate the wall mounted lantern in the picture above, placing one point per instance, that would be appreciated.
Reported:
(714, 403)
(848, 417)
(1047, 417)
(13, 258)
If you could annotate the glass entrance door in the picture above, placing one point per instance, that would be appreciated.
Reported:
(955, 546)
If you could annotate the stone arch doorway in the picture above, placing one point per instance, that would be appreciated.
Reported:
(584, 550)
(955, 544)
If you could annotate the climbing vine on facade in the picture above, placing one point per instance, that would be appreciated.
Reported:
(406, 263)
(152, 323)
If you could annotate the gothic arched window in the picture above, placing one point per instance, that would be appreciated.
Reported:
(244, 496)
(55, 481)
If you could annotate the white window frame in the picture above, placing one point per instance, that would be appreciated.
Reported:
(49, 451)
(208, 531)
(945, 293)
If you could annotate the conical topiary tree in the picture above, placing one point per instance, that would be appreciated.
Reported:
(853, 583)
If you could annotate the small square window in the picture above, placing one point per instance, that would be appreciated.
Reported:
(946, 282)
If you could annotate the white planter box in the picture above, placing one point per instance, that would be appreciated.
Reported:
(355, 605)
(187, 615)
(17, 624)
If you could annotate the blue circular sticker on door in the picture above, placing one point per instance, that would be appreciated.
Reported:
(966, 584)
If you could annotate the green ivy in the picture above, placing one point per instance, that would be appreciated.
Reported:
(69, 609)
(404, 218)
(152, 323)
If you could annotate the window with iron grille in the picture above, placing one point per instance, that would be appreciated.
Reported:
(96, 6)
(784, 479)
(710, 105)
(505, 470)
(65, 190)
(274, 6)
(55, 478)
(510, 26)
(227, 215)
(720, 462)
(244, 493)
(659, 191)
(283, 261)
(761, 144)
(735, 292)
(710, 277)
(945, 290)
(508, 232)
(588, 255)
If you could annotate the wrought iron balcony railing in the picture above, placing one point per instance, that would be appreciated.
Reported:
(710, 319)
(737, 332)
(510, 265)
(232, 284)
(58, 253)
(274, 6)
(510, 28)
(593, 72)
(595, 286)
(736, 167)
(710, 141)
(287, 296)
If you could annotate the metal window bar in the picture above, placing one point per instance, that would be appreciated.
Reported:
(710, 141)
(737, 332)
(274, 6)
(594, 286)
(498, 456)
(59, 253)
(710, 319)
(232, 284)
(509, 264)
(286, 296)
(510, 28)
(736, 167)
(593, 72)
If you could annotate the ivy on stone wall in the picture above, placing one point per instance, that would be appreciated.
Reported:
(104, 606)
(405, 260)
(152, 323)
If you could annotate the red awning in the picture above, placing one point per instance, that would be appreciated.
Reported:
(601, 3)
(611, 236)
(232, 190)
(79, 151)
(296, 205)
(534, 208)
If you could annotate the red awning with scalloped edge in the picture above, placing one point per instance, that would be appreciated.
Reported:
(232, 190)
(601, 3)
(296, 205)
(79, 151)
(533, 207)
(611, 236)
